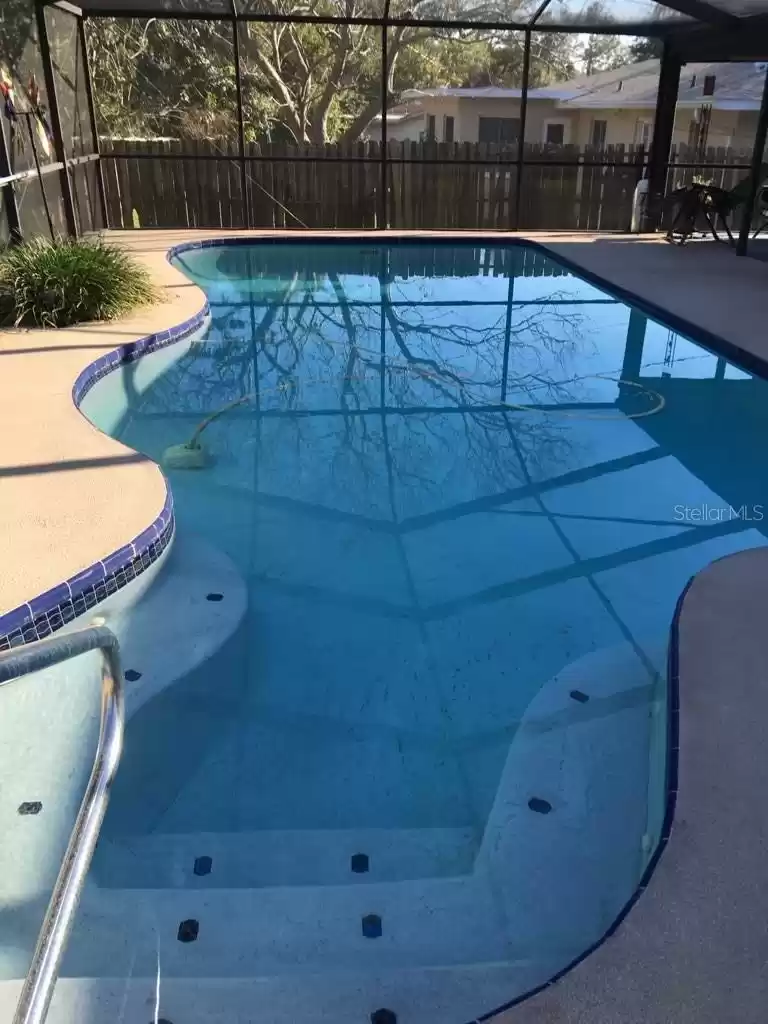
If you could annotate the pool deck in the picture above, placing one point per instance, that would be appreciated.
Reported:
(695, 947)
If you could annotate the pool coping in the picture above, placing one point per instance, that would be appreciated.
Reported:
(58, 605)
(80, 592)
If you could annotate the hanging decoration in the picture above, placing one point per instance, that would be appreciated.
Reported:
(43, 128)
(6, 93)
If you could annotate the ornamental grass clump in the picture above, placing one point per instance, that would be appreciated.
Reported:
(69, 281)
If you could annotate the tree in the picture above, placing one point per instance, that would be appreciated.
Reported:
(601, 52)
(310, 83)
(647, 48)
(16, 29)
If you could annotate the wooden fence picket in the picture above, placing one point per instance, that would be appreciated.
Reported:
(338, 186)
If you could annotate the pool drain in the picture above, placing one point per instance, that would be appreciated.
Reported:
(383, 1017)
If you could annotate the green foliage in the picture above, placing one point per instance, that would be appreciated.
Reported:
(55, 284)
(306, 83)
(16, 29)
(601, 52)
(646, 49)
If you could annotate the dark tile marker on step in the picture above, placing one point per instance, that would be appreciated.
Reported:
(132, 675)
(203, 865)
(188, 930)
(359, 863)
(30, 807)
(372, 926)
(214, 597)
(540, 806)
(582, 698)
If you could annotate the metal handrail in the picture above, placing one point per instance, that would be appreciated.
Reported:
(38, 987)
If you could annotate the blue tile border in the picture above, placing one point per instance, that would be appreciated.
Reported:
(44, 614)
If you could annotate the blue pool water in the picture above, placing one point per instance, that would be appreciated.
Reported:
(464, 485)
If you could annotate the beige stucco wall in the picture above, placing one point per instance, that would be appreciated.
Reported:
(467, 113)
(621, 125)
(727, 128)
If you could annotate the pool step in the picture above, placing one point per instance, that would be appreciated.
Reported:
(234, 860)
(278, 931)
(451, 995)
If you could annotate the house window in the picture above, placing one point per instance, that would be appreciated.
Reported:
(709, 85)
(599, 130)
(554, 133)
(642, 133)
(447, 129)
(431, 132)
(498, 129)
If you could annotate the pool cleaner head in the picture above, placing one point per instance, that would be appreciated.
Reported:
(186, 456)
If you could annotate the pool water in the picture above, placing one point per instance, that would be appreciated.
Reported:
(464, 490)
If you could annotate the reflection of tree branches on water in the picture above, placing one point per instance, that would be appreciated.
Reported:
(436, 363)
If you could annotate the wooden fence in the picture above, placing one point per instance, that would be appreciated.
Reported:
(429, 185)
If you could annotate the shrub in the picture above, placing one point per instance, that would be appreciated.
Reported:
(55, 284)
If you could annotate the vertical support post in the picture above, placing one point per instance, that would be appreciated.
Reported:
(53, 108)
(755, 172)
(384, 176)
(661, 143)
(521, 139)
(240, 119)
(36, 158)
(92, 114)
(9, 193)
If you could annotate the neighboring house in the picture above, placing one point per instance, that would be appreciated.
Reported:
(405, 123)
(717, 106)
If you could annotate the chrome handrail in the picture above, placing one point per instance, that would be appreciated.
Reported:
(38, 987)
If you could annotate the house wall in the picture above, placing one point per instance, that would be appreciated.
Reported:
(409, 130)
(727, 127)
(621, 125)
(467, 113)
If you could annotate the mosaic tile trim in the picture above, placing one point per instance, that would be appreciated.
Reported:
(132, 351)
(50, 611)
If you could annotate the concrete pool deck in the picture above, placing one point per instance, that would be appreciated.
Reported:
(695, 947)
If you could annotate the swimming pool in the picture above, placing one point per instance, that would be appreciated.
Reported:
(463, 490)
